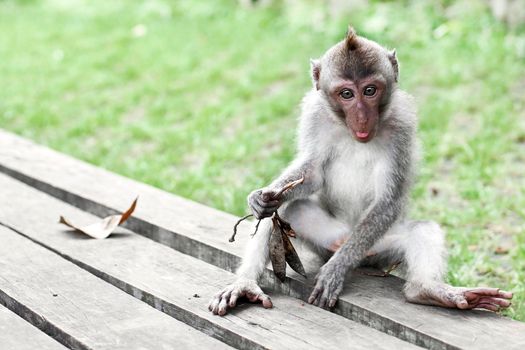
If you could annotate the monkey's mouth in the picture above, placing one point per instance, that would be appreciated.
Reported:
(362, 135)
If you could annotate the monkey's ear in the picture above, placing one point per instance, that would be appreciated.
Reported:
(393, 60)
(351, 39)
(315, 66)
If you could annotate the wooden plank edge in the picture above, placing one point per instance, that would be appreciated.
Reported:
(205, 326)
(17, 333)
(84, 297)
(41, 322)
(291, 320)
(293, 286)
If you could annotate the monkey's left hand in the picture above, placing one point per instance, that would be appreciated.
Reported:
(328, 284)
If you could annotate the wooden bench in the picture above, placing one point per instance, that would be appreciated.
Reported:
(172, 255)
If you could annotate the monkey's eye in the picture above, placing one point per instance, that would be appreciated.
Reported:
(370, 90)
(346, 94)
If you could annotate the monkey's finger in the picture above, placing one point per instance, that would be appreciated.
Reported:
(210, 307)
(326, 296)
(214, 307)
(461, 302)
(332, 302)
(334, 297)
(268, 196)
(323, 300)
(315, 295)
(487, 306)
(270, 207)
(505, 295)
(223, 306)
(266, 301)
(269, 202)
(502, 294)
(233, 298)
(483, 291)
(504, 303)
(312, 297)
(261, 201)
(256, 213)
(262, 212)
(214, 300)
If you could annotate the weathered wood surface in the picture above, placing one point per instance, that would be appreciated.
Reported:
(202, 232)
(78, 309)
(15, 333)
(178, 284)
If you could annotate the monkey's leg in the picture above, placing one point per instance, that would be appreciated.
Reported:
(314, 224)
(421, 246)
(255, 259)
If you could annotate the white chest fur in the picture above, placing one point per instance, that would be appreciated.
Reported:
(354, 178)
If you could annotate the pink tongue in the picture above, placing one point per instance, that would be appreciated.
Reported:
(361, 135)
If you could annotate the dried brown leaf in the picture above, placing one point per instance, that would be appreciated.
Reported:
(101, 229)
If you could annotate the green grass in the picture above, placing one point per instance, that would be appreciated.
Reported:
(204, 104)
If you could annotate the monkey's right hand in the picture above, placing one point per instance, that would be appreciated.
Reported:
(264, 202)
(227, 298)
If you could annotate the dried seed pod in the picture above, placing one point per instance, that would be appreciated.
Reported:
(287, 228)
(277, 252)
(291, 256)
(281, 248)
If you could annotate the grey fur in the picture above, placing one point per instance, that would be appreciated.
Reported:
(319, 125)
(357, 191)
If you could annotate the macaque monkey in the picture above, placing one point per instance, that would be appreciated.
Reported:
(357, 149)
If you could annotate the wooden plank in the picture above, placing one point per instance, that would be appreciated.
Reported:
(181, 285)
(15, 333)
(202, 232)
(80, 310)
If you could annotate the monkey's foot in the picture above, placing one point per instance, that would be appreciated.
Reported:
(464, 298)
(227, 298)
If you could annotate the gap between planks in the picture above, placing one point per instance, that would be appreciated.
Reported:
(78, 309)
(168, 280)
(17, 333)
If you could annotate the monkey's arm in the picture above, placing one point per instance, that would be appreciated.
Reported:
(263, 203)
(374, 224)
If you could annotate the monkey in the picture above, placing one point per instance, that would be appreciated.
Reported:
(357, 150)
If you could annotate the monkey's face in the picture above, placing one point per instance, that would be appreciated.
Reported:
(357, 77)
(358, 103)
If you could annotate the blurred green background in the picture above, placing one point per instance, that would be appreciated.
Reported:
(201, 99)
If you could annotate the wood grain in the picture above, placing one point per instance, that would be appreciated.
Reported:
(78, 309)
(203, 232)
(15, 333)
(180, 285)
